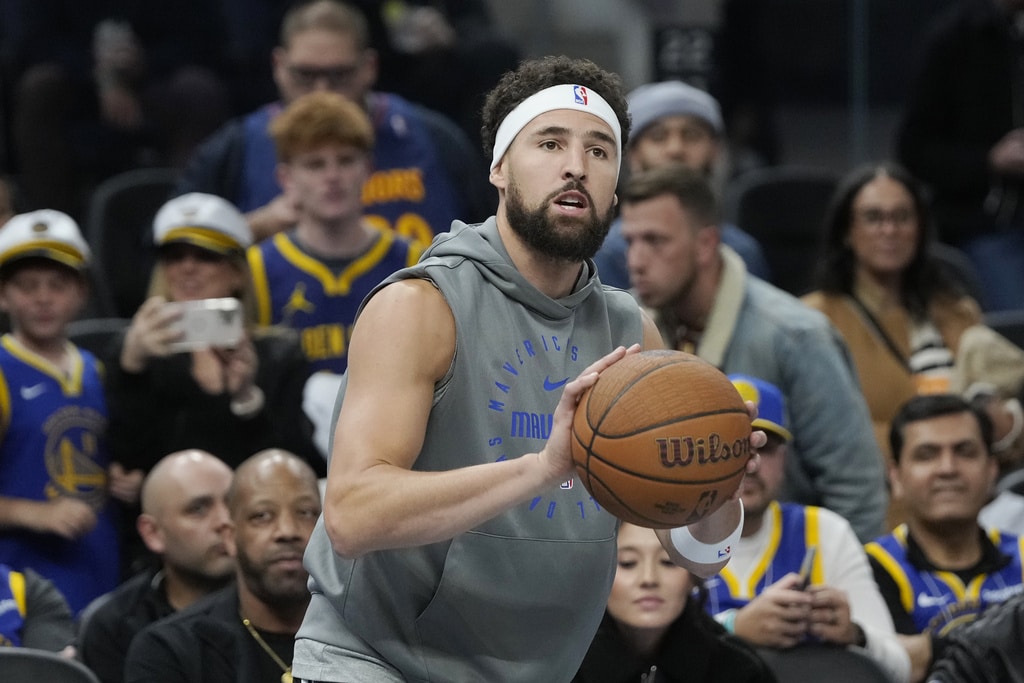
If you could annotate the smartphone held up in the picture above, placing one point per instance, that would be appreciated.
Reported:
(207, 323)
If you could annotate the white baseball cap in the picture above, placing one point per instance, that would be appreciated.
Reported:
(204, 220)
(47, 234)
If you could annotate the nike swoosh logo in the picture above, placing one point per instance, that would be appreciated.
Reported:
(29, 393)
(551, 386)
(925, 600)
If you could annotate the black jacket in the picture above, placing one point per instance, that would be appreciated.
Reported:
(695, 649)
(204, 643)
(163, 410)
(989, 650)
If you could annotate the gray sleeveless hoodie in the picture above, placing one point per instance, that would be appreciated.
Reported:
(519, 597)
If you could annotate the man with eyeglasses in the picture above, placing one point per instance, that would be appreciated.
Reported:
(426, 173)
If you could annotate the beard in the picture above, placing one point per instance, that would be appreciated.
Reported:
(563, 238)
(278, 589)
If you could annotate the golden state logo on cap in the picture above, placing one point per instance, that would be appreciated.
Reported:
(771, 408)
(203, 220)
(46, 234)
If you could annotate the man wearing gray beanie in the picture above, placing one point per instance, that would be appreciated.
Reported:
(674, 122)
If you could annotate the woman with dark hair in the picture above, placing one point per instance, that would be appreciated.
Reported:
(903, 315)
(655, 630)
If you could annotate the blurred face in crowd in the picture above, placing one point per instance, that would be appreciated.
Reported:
(274, 506)
(193, 273)
(884, 228)
(320, 59)
(944, 473)
(678, 138)
(760, 488)
(42, 297)
(665, 249)
(327, 182)
(185, 516)
(649, 591)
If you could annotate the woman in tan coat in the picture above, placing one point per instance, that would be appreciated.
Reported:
(901, 315)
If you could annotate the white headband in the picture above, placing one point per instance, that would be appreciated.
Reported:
(556, 97)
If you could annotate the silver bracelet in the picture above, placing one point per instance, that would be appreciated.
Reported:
(249, 406)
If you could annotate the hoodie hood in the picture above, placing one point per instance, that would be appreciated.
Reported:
(481, 245)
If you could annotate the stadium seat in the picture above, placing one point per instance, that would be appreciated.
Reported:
(119, 231)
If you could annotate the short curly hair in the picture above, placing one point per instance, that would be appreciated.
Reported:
(534, 75)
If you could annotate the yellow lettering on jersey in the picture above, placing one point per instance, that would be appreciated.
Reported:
(394, 185)
(325, 341)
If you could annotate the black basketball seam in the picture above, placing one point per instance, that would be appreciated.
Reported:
(665, 423)
(646, 477)
(611, 403)
(629, 508)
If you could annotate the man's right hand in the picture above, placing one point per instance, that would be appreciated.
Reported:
(279, 215)
(149, 335)
(778, 617)
(66, 517)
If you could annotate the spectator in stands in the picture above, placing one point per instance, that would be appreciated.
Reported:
(963, 133)
(940, 570)
(766, 594)
(230, 400)
(245, 632)
(426, 173)
(907, 322)
(674, 123)
(33, 613)
(654, 628)
(314, 278)
(104, 87)
(701, 297)
(56, 510)
(183, 523)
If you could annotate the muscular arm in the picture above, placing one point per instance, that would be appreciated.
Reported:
(373, 500)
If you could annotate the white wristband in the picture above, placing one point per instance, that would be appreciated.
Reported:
(705, 553)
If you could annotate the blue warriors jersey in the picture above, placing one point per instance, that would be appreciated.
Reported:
(938, 601)
(296, 290)
(410, 191)
(12, 606)
(793, 529)
(52, 444)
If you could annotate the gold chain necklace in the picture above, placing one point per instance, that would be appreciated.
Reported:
(286, 677)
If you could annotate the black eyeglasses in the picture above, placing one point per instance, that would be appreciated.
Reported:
(306, 77)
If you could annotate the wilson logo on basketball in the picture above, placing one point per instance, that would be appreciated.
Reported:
(682, 451)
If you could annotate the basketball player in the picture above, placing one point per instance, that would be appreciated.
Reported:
(451, 449)
(55, 512)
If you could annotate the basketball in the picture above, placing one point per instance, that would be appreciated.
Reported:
(661, 439)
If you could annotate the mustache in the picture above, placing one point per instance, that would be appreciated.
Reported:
(573, 186)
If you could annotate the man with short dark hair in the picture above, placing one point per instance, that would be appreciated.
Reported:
(674, 123)
(456, 542)
(704, 301)
(940, 569)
